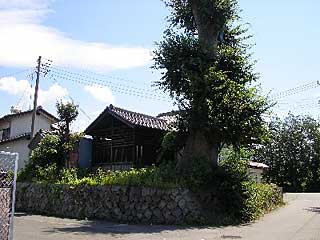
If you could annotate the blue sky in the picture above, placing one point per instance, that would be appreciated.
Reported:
(115, 39)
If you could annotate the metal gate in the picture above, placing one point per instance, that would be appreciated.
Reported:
(8, 176)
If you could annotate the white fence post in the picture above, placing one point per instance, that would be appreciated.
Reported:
(8, 179)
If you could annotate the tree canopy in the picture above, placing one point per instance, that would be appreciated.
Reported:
(207, 68)
(292, 152)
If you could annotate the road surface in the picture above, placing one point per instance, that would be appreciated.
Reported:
(298, 220)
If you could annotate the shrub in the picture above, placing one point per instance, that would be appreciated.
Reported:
(161, 176)
(199, 175)
(258, 199)
(241, 198)
(48, 152)
(48, 174)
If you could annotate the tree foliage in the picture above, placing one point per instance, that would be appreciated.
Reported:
(53, 149)
(292, 153)
(67, 113)
(207, 68)
(48, 152)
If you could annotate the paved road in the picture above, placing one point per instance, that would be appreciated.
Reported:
(298, 220)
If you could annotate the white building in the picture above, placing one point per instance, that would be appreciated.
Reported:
(15, 131)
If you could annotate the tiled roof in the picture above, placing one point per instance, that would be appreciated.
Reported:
(170, 117)
(140, 119)
(24, 135)
(257, 165)
(133, 119)
(39, 110)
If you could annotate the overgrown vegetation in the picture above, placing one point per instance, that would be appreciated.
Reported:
(52, 152)
(292, 152)
(240, 198)
(162, 176)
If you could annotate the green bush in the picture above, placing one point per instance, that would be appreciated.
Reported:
(161, 176)
(259, 198)
(49, 152)
(241, 197)
(48, 174)
(199, 175)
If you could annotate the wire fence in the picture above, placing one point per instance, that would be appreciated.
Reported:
(8, 176)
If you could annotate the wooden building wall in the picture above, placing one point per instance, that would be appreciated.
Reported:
(115, 143)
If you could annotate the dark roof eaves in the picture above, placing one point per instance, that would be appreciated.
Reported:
(105, 111)
(122, 119)
(112, 110)
(24, 135)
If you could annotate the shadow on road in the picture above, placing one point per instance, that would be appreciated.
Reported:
(100, 227)
(95, 227)
(92, 227)
(313, 209)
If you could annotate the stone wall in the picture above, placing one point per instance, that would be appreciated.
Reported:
(114, 203)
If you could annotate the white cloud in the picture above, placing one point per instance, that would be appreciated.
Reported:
(24, 38)
(33, 4)
(46, 98)
(103, 94)
(12, 86)
(54, 93)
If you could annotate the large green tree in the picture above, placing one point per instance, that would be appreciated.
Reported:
(207, 68)
(67, 113)
(292, 153)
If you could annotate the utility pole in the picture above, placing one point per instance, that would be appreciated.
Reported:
(35, 100)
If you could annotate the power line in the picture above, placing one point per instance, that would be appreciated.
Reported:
(93, 81)
(15, 73)
(296, 90)
(76, 75)
(83, 111)
(123, 90)
(88, 72)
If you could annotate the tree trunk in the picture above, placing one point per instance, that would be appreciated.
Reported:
(207, 30)
(198, 146)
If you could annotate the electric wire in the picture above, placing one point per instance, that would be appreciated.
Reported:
(15, 73)
(72, 99)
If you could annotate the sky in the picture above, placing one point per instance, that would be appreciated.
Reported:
(111, 43)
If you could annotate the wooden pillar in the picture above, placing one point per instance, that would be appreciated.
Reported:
(111, 150)
(134, 147)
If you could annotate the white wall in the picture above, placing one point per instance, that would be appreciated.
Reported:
(256, 174)
(22, 124)
(19, 146)
(42, 122)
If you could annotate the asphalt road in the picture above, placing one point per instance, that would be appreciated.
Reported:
(298, 220)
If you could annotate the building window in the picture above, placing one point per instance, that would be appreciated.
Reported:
(5, 133)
